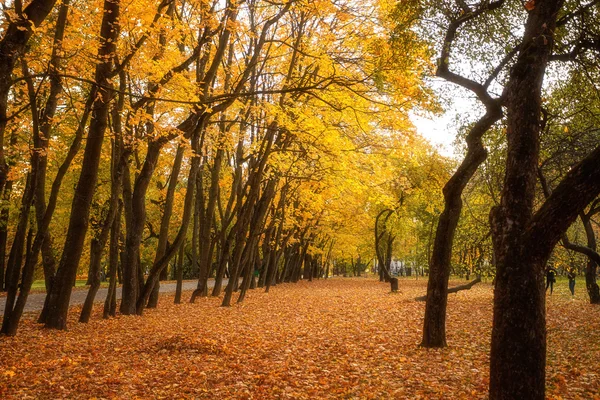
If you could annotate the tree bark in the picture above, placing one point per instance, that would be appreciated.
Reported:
(12, 45)
(110, 304)
(99, 243)
(518, 354)
(179, 274)
(60, 293)
(163, 235)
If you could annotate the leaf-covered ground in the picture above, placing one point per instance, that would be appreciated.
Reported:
(339, 338)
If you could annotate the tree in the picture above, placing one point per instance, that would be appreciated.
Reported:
(524, 238)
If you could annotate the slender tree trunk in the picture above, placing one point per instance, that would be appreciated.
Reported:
(15, 259)
(110, 304)
(4, 214)
(15, 37)
(434, 327)
(188, 206)
(163, 235)
(99, 243)
(135, 230)
(179, 274)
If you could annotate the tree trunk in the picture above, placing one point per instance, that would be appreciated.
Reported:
(4, 214)
(188, 207)
(179, 274)
(16, 36)
(434, 324)
(163, 235)
(15, 260)
(518, 353)
(99, 243)
(110, 304)
(135, 230)
(591, 266)
(60, 293)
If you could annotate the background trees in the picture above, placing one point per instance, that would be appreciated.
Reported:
(254, 139)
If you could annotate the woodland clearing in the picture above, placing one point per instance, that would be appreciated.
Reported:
(335, 338)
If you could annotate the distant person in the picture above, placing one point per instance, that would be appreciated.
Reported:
(550, 278)
(571, 275)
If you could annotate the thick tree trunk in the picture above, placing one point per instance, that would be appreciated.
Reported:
(591, 266)
(518, 354)
(60, 293)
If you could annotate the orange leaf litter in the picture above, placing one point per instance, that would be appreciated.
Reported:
(335, 338)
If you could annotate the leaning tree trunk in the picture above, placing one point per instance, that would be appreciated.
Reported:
(163, 235)
(188, 206)
(110, 304)
(15, 37)
(60, 293)
(434, 324)
(99, 243)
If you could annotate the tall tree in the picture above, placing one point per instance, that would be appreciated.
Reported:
(522, 237)
(60, 293)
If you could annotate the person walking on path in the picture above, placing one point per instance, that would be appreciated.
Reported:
(571, 275)
(550, 278)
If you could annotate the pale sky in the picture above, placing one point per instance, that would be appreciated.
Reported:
(440, 130)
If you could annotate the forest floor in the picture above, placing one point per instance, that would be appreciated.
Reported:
(338, 338)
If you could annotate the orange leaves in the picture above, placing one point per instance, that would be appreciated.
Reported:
(336, 338)
(529, 5)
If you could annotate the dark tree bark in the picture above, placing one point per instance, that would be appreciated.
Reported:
(590, 251)
(110, 304)
(98, 243)
(179, 274)
(135, 230)
(434, 325)
(522, 241)
(384, 243)
(48, 259)
(12, 45)
(593, 261)
(188, 207)
(60, 293)
(15, 261)
(163, 235)
(4, 214)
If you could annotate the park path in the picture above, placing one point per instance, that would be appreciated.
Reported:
(35, 301)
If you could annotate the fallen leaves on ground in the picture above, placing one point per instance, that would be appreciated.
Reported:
(336, 338)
